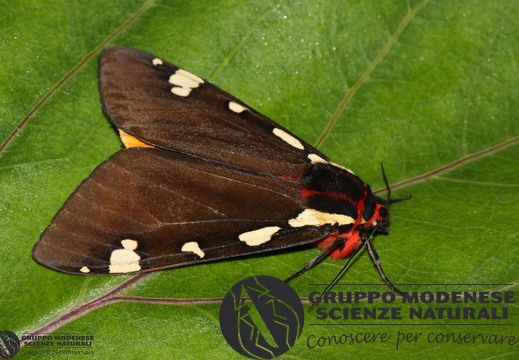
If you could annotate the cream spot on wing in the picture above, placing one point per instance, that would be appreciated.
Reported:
(237, 108)
(289, 139)
(193, 247)
(84, 270)
(157, 61)
(342, 167)
(125, 260)
(180, 91)
(260, 236)
(314, 158)
(186, 74)
(311, 217)
(184, 82)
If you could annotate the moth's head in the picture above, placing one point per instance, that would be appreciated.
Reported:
(380, 219)
(375, 216)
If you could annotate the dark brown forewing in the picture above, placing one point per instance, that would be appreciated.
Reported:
(137, 97)
(162, 200)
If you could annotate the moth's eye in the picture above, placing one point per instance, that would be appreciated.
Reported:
(383, 212)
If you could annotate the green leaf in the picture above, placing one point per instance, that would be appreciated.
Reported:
(428, 88)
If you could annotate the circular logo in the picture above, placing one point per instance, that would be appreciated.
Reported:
(261, 317)
(9, 344)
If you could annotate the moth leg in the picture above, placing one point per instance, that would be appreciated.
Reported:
(354, 255)
(323, 255)
(376, 261)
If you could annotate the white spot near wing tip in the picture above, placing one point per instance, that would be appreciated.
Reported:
(84, 270)
(157, 61)
(289, 139)
(125, 260)
(260, 236)
(186, 74)
(193, 247)
(237, 108)
(184, 82)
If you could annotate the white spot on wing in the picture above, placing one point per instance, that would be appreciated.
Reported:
(237, 108)
(289, 139)
(311, 217)
(84, 270)
(180, 91)
(193, 247)
(260, 236)
(342, 167)
(314, 158)
(157, 61)
(125, 260)
(186, 74)
(184, 82)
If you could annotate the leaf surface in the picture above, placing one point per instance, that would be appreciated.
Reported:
(428, 88)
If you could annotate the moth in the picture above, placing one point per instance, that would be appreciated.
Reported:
(203, 177)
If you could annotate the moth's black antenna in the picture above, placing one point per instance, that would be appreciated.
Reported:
(388, 188)
(369, 241)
